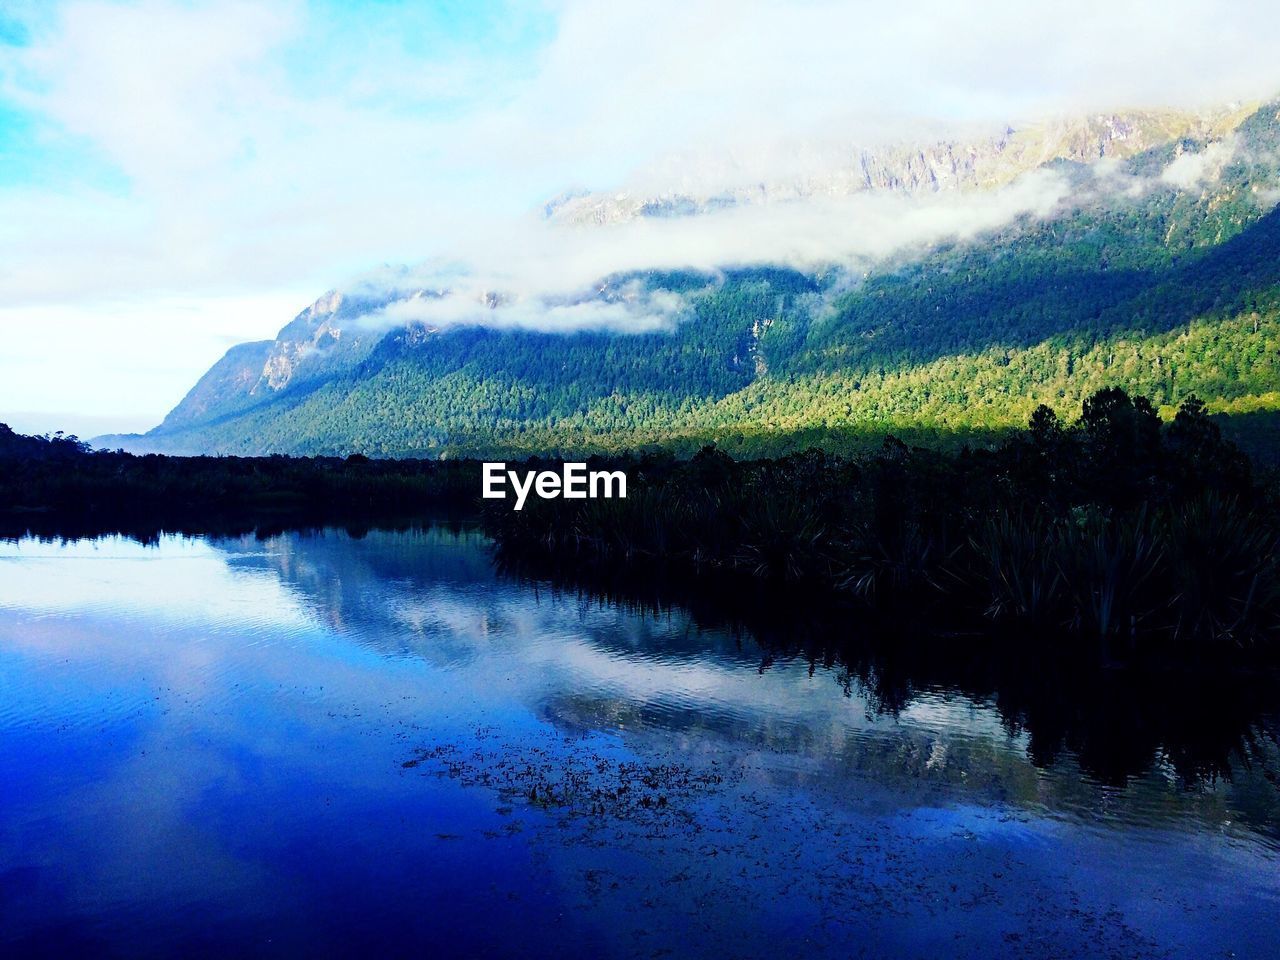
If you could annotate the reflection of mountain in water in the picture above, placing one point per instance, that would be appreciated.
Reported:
(826, 698)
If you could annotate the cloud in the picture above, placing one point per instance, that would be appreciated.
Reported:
(208, 149)
(550, 277)
(1189, 170)
(628, 309)
(638, 82)
(263, 146)
(119, 365)
(164, 91)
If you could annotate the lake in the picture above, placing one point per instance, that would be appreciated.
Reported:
(329, 744)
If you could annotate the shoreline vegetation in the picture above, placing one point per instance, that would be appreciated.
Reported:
(57, 486)
(1119, 537)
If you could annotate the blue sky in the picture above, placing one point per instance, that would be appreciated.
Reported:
(180, 175)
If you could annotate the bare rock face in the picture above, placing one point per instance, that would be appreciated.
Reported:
(235, 375)
(316, 329)
(961, 164)
(1197, 165)
(324, 336)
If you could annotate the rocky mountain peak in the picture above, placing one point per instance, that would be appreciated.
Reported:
(933, 166)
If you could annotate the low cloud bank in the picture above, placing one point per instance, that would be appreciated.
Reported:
(554, 278)
(1189, 170)
(562, 277)
(628, 308)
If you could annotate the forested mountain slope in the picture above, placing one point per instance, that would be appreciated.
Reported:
(1159, 273)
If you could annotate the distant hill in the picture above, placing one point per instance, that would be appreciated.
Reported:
(1159, 272)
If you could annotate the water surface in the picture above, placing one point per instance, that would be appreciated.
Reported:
(331, 745)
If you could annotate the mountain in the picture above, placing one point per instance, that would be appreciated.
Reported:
(839, 170)
(1155, 268)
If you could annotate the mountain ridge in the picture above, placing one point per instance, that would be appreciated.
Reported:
(770, 348)
(938, 166)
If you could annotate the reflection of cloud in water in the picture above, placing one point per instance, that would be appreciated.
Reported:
(587, 665)
(238, 617)
(228, 738)
(554, 648)
(119, 577)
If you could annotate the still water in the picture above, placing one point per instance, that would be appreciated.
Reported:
(326, 745)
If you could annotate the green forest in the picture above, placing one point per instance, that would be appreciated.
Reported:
(1116, 533)
(1166, 292)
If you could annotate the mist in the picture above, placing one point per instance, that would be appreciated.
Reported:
(560, 275)
(208, 151)
(562, 278)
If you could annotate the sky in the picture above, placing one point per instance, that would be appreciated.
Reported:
(177, 176)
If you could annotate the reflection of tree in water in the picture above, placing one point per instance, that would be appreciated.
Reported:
(432, 592)
(150, 526)
(1201, 726)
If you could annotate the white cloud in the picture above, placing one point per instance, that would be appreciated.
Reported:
(545, 276)
(242, 175)
(627, 83)
(167, 92)
(1188, 170)
(119, 365)
(632, 310)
